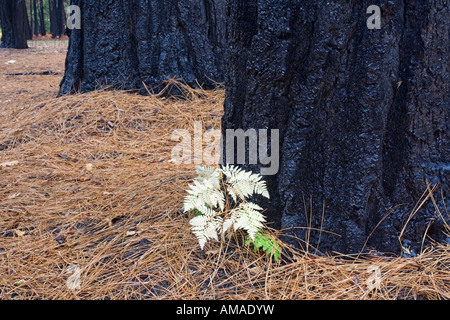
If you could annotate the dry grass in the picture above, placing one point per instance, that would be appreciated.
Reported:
(94, 187)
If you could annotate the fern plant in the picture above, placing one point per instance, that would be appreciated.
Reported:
(266, 243)
(210, 198)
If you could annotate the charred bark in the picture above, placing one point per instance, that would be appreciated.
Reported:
(123, 44)
(363, 115)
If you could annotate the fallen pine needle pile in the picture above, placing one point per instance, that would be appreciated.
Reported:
(90, 209)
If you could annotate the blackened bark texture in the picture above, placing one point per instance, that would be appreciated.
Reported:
(14, 24)
(123, 44)
(363, 114)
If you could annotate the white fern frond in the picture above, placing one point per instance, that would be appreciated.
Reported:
(243, 184)
(207, 195)
(205, 228)
(190, 202)
(261, 188)
(233, 193)
(204, 192)
(247, 217)
(205, 171)
(229, 222)
(210, 174)
(251, 219)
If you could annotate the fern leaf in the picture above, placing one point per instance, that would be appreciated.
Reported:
(243, 184)
(209, 174)
(267, 243)
(251, 219)
(247, 217)
(204, 192)
(205, 228)
(228, 223)
(207, 197)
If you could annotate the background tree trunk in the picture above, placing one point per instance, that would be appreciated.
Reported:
(56, 10)
(363, 114)
(28, 31)
(42, 30)
(52, 16)
(35, 19)
(14, 24)
(126, 43)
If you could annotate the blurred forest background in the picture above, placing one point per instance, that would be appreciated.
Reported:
(45, 19)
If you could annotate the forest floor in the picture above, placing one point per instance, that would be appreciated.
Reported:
(90, 206)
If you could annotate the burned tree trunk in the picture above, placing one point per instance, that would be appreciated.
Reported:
(363, 115)
(14, 22)
(123, 44)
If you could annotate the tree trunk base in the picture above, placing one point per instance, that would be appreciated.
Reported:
(363, 117)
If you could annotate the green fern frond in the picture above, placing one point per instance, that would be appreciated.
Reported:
(269, 245)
